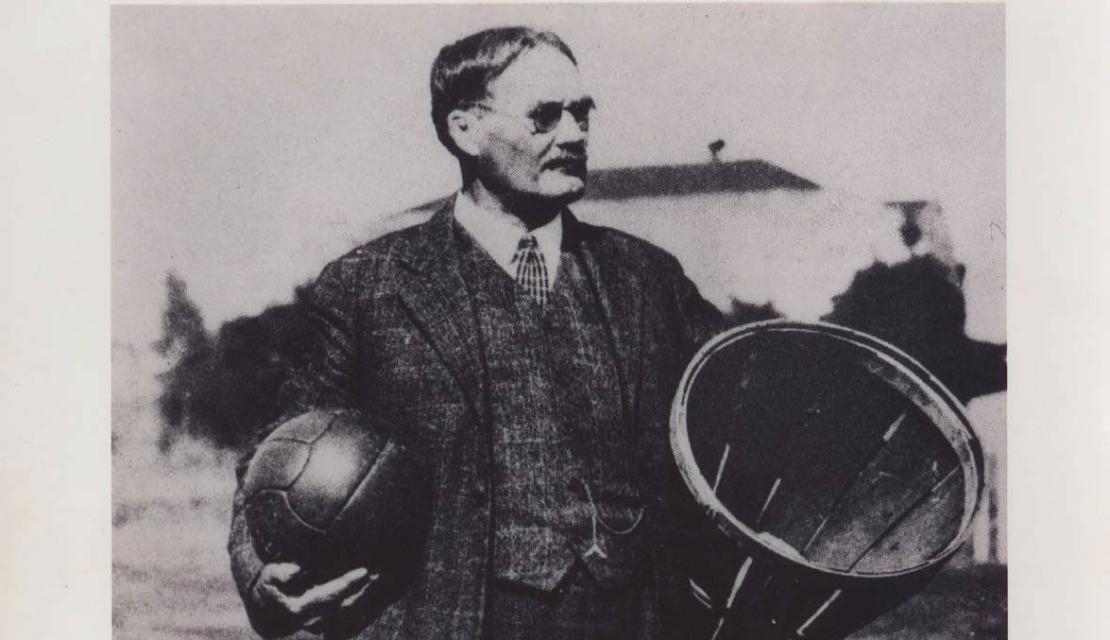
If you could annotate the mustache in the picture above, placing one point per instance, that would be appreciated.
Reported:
(568, 160)
(572, 155)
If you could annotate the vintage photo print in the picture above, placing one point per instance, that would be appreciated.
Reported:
(559, 321)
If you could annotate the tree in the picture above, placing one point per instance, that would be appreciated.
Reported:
(189, 348)
(919, 307)
(225, 388)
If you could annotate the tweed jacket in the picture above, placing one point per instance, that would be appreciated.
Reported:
(398, 339)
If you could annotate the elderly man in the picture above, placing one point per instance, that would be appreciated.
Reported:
(534, 356)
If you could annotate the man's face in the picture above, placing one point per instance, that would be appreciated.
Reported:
(541, 89)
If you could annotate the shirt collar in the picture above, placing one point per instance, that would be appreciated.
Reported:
(500, 233)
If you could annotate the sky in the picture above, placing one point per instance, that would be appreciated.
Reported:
(250, 145)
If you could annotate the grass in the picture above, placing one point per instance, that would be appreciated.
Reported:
(171, 579)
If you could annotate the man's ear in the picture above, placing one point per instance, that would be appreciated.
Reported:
(463, 129)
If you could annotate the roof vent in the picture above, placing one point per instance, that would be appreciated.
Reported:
(715, 150)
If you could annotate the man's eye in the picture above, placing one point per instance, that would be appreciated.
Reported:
(581, 111)
(547, 116)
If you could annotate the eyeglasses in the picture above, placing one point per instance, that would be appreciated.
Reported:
(547, 116)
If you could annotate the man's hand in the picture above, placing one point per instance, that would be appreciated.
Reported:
(290, 603)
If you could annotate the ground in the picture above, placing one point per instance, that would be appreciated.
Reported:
(964, 602)
(171, 579)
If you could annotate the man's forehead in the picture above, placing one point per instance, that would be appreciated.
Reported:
(543, 74)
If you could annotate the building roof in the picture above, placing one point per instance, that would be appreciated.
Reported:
(686, 179)
(654, 181)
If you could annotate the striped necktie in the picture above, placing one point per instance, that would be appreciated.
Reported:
(531, 270)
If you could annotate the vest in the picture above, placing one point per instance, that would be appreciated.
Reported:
(560, 445)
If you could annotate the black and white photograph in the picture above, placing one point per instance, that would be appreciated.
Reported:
(559, 321)
(580, 320)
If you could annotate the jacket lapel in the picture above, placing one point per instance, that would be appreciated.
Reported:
(435, 295)
(620, 295)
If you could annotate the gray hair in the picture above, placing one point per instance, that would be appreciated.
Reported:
(463, 70)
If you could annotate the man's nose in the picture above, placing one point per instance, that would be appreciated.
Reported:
(569, 130)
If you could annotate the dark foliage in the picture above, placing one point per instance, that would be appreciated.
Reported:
(186, 342)
(918, 306)
(224, 389)
(741, 313)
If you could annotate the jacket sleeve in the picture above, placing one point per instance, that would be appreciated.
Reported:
(323, 376)
(700, 320)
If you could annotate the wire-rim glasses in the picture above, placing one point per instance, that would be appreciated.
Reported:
(547, 116)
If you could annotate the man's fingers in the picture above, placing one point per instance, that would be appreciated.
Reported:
(315, 604)
(270, 588)
(320, 597)
(339, 588)
(280, 572)
(327, 614)
(353, 575)
(353, 598)
(274, 595)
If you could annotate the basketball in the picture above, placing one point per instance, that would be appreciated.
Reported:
(332, 491)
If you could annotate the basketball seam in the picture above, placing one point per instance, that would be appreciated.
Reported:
(308, 460)
(288, 439)
(334, 417)
(370, 473)
(285, 497)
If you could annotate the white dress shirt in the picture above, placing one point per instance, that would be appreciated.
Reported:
(499, 234)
